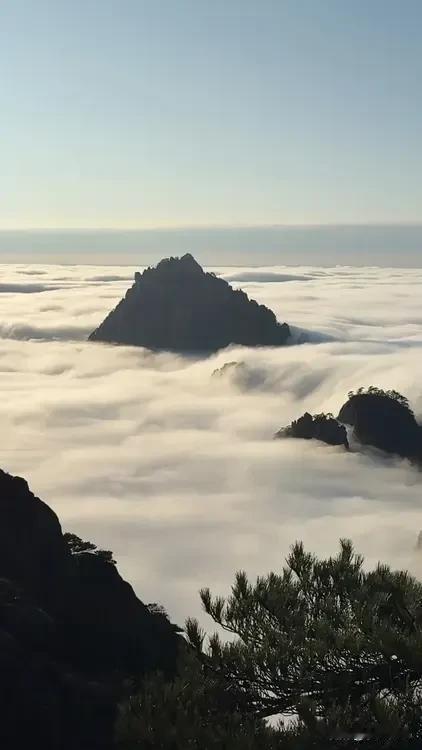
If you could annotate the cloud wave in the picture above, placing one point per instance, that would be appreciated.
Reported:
(176, 470)
(264, 277)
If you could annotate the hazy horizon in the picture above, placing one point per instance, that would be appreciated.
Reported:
(376, 244)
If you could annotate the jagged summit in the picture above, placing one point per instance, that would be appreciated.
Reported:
(187, 261)
(185, 264)
(177, 306)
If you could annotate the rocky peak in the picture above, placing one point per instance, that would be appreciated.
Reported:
(188, 262)
(384, 420)
(184, 266)
(318, 427)
(177, 306)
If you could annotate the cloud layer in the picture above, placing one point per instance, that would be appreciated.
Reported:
(176, 471)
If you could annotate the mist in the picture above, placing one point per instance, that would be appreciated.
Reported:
(177, 471)
(373, 244)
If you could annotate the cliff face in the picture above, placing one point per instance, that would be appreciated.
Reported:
(178, 307)
(33, 552)
(384, 422)
(71, 632)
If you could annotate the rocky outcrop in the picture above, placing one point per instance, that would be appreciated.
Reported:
(178, 307)
(72, 632)
(239, 374)
(384, 420)
(227, 369)
(319, 427)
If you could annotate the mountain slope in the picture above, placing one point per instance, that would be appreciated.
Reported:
(72, 632)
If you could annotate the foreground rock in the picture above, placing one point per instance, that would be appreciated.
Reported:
(178, 307)
(319, 427)
(384, 420)
(72, 632)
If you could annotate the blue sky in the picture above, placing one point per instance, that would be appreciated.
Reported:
(167, 113)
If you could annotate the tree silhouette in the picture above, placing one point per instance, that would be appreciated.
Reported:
(77, 545)
(325, 641)
(373, 390)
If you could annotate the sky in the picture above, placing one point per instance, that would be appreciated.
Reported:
(190, 113)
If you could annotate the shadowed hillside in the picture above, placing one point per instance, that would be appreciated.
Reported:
(72, 631)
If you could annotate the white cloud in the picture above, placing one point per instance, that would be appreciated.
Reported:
(25, 288)
(176, 471)
(262, 277)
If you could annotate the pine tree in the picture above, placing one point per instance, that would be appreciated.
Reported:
(337, 647)
(195, 711)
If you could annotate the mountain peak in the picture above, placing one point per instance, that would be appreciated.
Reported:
(185, 263)
(177, 306)
(188, 260)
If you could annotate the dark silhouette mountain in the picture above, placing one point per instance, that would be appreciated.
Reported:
(178, 307)
(384, 420)
(318, 427)
(72, 632)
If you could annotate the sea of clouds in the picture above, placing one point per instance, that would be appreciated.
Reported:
(177, 471)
